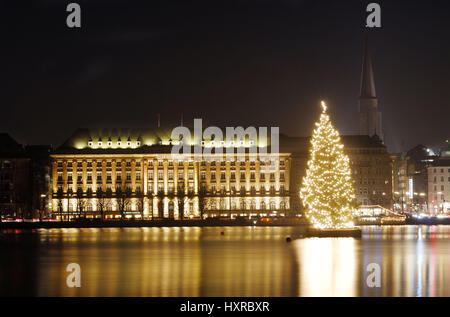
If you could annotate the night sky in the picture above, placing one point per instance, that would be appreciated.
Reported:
(246, 62)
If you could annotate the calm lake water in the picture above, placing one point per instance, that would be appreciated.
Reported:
(244, 261)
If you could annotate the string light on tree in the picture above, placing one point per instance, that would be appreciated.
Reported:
(327, 190)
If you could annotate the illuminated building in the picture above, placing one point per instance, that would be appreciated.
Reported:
(134, 171)
(439, 183)
(410, 179)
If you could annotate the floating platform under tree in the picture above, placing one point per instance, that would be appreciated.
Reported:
(354, 232)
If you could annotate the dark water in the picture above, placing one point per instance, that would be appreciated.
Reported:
(244, 261)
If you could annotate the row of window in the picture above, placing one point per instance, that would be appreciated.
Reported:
(171, 189)
(442, 179)
(161, 176)
(366, 191)
(160, 163)
(441, 170)
(244, 206)
(442, 188)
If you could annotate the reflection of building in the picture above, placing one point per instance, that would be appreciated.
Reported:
(24, 178)
(133, 170)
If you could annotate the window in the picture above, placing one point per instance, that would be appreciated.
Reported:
(252, 176)
(180, 175)
(170, 174)
(242, 176)
(160, 175)
(272, 190)
(118, 164)
(273, 205)
(191, 174)
(213, 175)
(138, 176)
(282, 176)
(128, 176)
(203, 175)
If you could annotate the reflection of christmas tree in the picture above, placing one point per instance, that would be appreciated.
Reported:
(327, 191)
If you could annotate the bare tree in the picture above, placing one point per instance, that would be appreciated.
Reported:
(180, 200)
(101, 202)
(160, 196)
(202, 200)
(123, 199)
(81, 203)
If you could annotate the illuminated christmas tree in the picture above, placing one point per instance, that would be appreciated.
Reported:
(327, 190)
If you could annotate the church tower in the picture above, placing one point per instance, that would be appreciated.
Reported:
(369, 116)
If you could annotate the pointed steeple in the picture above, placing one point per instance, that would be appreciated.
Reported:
(367, 79)
(369, 115)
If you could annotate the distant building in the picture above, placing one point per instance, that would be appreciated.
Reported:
(138, 162)
(369, 116)
(24, 178)
(439, 183)
(14, 178)
(410, 179)
(421, 180)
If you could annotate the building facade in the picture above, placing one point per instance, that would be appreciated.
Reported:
(439, 185)
(410, 179)
(96, 174)
(24, 178)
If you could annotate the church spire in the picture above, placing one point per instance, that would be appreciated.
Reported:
(369, 115)
(367, 79)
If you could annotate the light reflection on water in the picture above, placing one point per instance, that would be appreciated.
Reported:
(244, 261)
